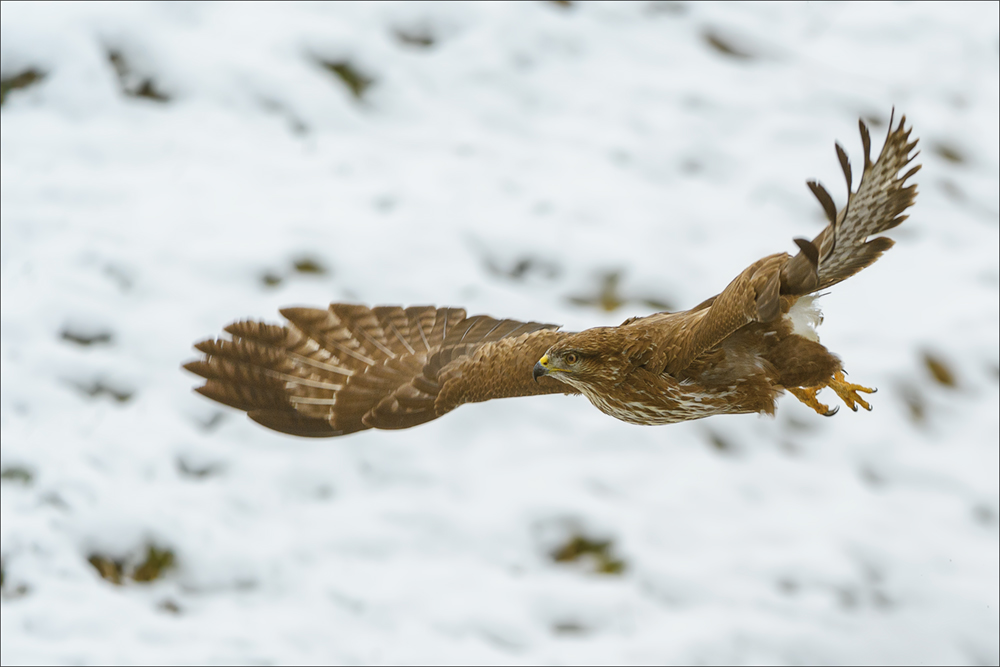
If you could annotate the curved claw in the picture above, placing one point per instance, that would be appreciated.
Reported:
(831, 412)
(848, 392)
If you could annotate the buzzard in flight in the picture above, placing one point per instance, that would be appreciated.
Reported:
(348, 368)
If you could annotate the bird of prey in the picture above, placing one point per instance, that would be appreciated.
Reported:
(347, 368)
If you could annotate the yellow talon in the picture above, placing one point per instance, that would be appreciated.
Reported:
(847, 391)
(808, 396)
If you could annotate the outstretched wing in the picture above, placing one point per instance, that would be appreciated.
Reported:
(349, 368)
(838, 252)
(842, 248)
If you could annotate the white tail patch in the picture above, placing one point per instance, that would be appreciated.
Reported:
(804, 317)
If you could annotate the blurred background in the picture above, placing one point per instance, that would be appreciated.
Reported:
(168, 168)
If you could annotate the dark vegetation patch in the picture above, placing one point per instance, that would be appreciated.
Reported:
(108, 569)
(19, 81)
(913, 391)
(197, 471)
(597, 553)
(18, 474)
(726, 46)
(874, 121)
(271, 279)
(101, 389)
(133, 84)
(940, 370)
(357, 82)
(305, 264)
(915, 402)
(610, 298)
(949, 152)
(719, 443)
(154, 565)
(169, 606)
(10, 592)
(85, 338)
(569, 628)
(523, 268)
(420, 38)
(309, 265)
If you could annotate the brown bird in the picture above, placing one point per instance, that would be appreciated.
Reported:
(349, 368)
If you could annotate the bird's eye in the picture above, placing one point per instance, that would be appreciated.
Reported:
(572, 358)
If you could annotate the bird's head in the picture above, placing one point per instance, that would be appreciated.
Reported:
(582, 359)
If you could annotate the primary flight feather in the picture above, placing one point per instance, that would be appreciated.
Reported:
(349, 367)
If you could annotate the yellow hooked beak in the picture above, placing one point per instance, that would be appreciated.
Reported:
(542, 367)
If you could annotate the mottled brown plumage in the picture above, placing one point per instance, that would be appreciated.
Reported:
(349, 368)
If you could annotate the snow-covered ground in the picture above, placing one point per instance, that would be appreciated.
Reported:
(508, 158)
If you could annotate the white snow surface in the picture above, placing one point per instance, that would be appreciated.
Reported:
(572, 141)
